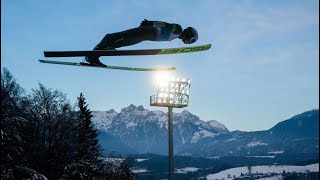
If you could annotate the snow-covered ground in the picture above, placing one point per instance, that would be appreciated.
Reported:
(140, 160)
(256, 143)
(201, 134)
(182, 170)
(186, 170)
(262, 156)
(276, 152)
(114, 160)
(272, 178)
(139, 170)
(230, 173)
(215, 157)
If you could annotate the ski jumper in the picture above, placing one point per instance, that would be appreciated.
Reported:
(153, 31)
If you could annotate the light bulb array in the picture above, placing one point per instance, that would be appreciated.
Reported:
(174, 92)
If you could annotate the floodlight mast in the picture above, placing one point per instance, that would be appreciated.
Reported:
(174, 93)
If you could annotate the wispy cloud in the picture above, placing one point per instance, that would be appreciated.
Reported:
(271, 33)
(276, 20)
(287, 55)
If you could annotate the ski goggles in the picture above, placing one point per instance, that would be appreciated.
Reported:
(192, 40)
(192, 37)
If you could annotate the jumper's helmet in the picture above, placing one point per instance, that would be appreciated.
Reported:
(191, 34)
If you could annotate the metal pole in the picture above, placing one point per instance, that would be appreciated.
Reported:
(170, 128)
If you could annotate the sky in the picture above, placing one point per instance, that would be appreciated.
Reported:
(262, 68)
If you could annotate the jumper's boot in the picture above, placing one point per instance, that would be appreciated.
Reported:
(94, 60)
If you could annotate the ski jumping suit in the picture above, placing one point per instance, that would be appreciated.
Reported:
(154, 31)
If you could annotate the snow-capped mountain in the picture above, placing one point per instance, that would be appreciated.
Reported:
(144, 131)
(102, 119)
(216, 124)
(147, 131)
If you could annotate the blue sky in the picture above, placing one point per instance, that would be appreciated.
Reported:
(263, 66)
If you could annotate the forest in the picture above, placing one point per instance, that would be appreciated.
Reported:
(44, 136)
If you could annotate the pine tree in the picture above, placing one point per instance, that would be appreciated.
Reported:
(89, 148)
(87, 164)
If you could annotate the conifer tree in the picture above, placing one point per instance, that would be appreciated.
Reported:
(87, 164)
(88, 145)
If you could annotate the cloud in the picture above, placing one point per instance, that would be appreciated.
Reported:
(284, 20)
(295, 53)
(270, 33)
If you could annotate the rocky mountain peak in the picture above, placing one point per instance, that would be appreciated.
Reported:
(185, 112)
(111, 111)
(140, 108)
(130, 108)
(216, 124)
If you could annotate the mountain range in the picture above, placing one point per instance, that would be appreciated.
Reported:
(138, 130)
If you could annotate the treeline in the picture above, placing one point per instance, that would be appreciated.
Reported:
(43, 136)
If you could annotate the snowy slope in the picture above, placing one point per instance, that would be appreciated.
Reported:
(230, 173)
(103, 119)
(216, 124)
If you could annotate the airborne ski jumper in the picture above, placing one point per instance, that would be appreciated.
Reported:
(147, 31)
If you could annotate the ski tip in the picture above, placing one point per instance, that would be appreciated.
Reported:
(208, 46)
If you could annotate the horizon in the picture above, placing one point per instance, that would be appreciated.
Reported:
(263, 66)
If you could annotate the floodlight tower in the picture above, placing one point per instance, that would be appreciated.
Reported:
(172, 93)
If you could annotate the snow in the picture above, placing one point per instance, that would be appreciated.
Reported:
(183, 140)
(162, 118)
(160, 115)
(139, 170)
(130, 124)
(215, 157)
(201, 134)
(231, 139)
(140, 160)
(186, 169)
(256, 143)
(216, 124)
(262, 169)
(102, 119)
(163, 124)
(158, 112)
(272, 178)
(275, 152)
(141, 113)
(262, 156)
(115, 160)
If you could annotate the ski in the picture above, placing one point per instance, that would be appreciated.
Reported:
(107, 67)
(127, 52)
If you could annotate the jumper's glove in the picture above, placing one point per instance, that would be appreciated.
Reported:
(146, 23)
